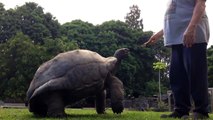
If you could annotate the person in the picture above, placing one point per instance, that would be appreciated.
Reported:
(186, 32)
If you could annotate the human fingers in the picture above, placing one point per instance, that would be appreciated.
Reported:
(150, 41)
(188, 40)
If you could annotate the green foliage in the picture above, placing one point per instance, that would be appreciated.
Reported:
(8, 25)
(29, 19)
(210, 65)
(133, 18)
(19, 60)
(159, 66)
(55, 46)
(79, 32)
(2, 10)
(162, 54)
(152, 88)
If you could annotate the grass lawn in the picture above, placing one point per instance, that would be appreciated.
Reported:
(82, 114)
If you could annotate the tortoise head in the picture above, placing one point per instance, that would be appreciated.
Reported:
(121, 53)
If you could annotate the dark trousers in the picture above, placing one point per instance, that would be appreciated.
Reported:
(188, 77)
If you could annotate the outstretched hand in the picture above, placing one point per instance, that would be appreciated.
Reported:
(153, 39)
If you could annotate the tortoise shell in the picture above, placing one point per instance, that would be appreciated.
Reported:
(75, 71)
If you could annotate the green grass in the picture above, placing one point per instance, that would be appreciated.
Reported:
(82, 114)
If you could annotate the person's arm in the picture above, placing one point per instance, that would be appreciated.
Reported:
(189, 34)
(154, 38)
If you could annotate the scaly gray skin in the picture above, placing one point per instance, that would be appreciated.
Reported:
(120, 54)
(116, 91)
(115, 85)
(53, 86)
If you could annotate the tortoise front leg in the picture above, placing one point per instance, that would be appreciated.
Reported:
(55, 105)
(116, 94)
(100, 102)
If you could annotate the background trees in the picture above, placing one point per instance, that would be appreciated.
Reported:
(29, 37)
(19, 60)
(133, 18)
(29, 19)
(210, 65)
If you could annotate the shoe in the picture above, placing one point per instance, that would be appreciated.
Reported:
(176, 114)
(200, 116)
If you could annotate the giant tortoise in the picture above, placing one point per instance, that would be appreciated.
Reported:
(72, 76)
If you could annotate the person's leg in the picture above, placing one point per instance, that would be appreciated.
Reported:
(179, 83)
(198, 78)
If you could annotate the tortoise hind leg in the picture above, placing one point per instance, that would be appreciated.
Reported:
(55, 105)
(100, 102)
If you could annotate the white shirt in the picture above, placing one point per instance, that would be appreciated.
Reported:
(177, 18)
